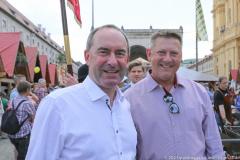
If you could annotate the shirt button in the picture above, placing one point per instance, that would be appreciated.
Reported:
(117, 131)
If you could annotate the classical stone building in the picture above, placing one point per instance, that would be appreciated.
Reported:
(226, 43)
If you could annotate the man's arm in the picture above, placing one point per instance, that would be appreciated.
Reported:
(214, 148)
(219, 102)
(34, 97)
(223, 115)
(46, 141)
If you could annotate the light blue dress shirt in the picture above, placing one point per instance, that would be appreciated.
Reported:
(14, 93)
(75, 123)
(191, 134)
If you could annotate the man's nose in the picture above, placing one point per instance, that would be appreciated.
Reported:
(167, 57)
(112, 59)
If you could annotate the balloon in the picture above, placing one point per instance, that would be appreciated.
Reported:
(36, 70)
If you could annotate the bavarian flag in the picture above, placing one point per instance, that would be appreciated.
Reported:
(200, 23)
(74, 5)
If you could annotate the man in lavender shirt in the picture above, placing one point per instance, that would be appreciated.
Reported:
(173, 115)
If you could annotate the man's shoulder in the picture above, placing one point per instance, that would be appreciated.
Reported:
(218, 94)
(138, 88)
(68, 91)
(191, 83)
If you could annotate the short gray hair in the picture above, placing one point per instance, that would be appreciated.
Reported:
(164, 35)
(23, 87)
(42, 81)
(92, 34)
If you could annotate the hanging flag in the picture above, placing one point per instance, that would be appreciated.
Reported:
(200, 22)
(74, 5)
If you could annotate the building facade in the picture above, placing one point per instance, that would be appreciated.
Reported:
(205, 65)
(226, 43)
(11, 20)
(188, 62)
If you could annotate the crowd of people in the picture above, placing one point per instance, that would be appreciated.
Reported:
(152, 114)
(25, 98)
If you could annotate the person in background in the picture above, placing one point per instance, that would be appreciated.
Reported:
(90, 120)
(4, 100)
(69, 80)
(82, 73)
(136, 72)
(222, 103)
(41, 90)
(3, 106)
(237, 101)
(173, 116)
(17, 79)
(25, 112)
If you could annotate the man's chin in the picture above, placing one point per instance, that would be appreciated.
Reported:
(111, 84)
(165, 77)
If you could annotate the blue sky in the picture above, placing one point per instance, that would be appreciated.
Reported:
(128, 13)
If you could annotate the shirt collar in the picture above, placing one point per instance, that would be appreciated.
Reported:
(152, 84)
(95, 92)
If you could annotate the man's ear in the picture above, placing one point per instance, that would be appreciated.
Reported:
(86, 56)
(149, 51)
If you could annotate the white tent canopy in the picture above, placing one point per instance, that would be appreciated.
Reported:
(196, 76)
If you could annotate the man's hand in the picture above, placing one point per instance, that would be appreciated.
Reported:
(69, 80)
(226, 122)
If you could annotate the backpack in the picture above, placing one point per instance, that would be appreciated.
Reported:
(10, 123)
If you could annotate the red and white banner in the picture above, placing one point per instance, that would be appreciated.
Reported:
(74, 5)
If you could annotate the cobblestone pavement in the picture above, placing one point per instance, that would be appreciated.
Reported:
(6, 149)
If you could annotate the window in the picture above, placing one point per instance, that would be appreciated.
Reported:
(229, 65)
(229, 15)
(4, 23)
(13, 29)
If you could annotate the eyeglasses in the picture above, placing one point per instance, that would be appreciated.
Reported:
(173, 107)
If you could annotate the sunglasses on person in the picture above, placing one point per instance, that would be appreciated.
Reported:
(173, 107)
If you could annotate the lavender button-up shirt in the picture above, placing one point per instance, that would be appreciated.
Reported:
(191, 134)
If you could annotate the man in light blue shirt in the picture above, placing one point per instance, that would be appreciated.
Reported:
(90, 120)
(17, 78)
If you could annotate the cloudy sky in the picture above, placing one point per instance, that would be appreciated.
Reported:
(131, 14)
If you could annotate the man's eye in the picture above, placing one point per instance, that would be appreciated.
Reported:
(173, 53)
(120, 54)
(161, 52)
(103, 52)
